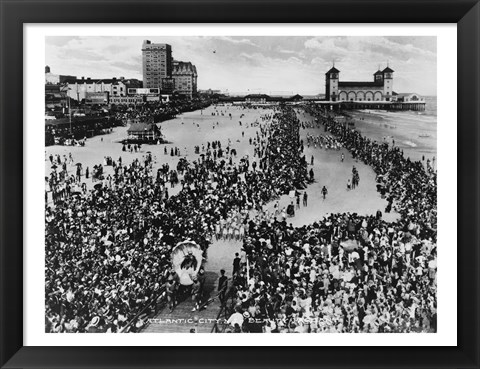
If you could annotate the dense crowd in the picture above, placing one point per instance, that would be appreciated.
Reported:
(410, 188)
(323, 141)
(156, 111)
(62, 132)
(108, 250)
(346, 272)
(284, 161)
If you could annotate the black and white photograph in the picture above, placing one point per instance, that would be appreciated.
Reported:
(240, 184)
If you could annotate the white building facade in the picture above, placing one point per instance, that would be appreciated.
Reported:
(380, 89)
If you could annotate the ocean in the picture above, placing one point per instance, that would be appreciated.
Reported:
(413, 131)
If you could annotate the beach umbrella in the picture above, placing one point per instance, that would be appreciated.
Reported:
(78, 164)
(54, 166)
(98, 186)
(349, 245)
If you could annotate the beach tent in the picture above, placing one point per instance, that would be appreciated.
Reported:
(143, 131)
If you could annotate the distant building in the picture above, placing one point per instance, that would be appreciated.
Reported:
(55, 96)
(185, 78)
(210, 92)
(409, 97)
(143, 132)
(262, 99)
(157, 63)
(132, 83)
(55, 79)
(79, 88)
(168, 86)
(125, 100)
(96, 98)
(146, 94)
(380, 89)
(296, 97)
(257, 98)
(143, 91)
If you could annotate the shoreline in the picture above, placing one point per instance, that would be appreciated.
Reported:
(415, 134)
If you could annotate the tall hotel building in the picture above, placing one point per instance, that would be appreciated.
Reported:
(185, 78)
(157, 66)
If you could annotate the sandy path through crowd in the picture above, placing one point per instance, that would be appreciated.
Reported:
(200, 127)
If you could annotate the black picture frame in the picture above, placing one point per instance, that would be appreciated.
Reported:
(14, 13)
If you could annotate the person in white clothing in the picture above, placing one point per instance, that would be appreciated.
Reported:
(236, 318)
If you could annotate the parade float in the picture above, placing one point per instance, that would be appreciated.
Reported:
(187, 259)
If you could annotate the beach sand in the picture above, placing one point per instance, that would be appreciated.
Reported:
(184, 133)
(181, 132)
(329, 171)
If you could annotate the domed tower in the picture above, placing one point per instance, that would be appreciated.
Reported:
(331, 84)
(388, 83)
(47, 69)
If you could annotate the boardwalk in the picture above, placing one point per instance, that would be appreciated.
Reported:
(181, 319)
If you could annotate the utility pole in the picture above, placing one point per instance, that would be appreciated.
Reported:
(69, 111)
(69, 106)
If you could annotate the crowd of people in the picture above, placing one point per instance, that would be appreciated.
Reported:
(346, 272)
(323, 142)
(410, 187)
(156, 111)
(108, 249)
(284, 161)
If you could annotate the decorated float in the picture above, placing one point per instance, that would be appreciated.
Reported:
(187, 259)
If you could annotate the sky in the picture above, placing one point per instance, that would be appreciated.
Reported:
(266, 64)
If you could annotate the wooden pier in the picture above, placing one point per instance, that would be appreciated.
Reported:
(373, 105)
